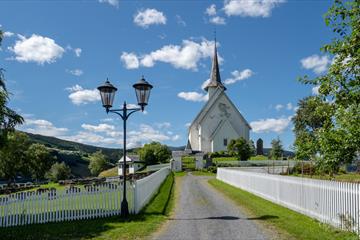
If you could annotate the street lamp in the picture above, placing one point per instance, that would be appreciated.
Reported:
(107, 93)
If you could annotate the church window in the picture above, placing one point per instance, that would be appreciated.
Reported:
(225, 142)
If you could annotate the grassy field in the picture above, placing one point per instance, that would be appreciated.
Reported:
(112, 172)
(135, 227)
(259, 157)
(346, 177)
(203, 173)
(289, 224)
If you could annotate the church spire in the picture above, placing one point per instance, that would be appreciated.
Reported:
(215, 79)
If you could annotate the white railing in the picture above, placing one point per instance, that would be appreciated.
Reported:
(77, 203)
(145, 188)
(335, 203)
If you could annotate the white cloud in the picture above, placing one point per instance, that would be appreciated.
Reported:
(315, 90)
(218, 20)
(211, 10)
(289, 106)
(43, 127)
(185, 56)
(187, 125)
(102, 127)
(77, 51)
(75, 72)
(270, 125)
(193, 96)
(318, 64)
(250, 8)
(130, 60)
(8, 34)
(180, 21)
(278, 107)
(205, 83)
(80, 96)
(239, 76)
(37, 49)
(175, 137)
(114, 3)
(163, 125)
(148, 17)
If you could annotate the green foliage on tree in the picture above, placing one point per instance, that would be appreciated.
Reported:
(98, 163)
(39, 160)
(13, 156)
(339, 138)
(240, 148)
(312, 114)
(154, 152)
(277, 150)
(58, 171)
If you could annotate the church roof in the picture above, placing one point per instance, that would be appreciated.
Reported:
(215, 79)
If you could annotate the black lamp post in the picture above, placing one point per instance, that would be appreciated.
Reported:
(107, 92)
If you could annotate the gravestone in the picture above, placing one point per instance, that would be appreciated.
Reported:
(259, 147)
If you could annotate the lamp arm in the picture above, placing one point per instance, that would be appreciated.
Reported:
(117, 111)
(132, 111)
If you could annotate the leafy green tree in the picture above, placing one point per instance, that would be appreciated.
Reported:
(98, 163)
(8, 117)
(312, 114)
(339, 139)
(40, 160)
(240, 148)
(277, 150)
(13, 157)
(252, 148)
(58, 171)
(154, 152)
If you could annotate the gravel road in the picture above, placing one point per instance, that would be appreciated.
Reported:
(203, 213)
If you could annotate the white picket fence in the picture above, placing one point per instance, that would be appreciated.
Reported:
(77, 203)
(335, 203)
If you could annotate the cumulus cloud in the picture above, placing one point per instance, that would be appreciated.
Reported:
(254, 8)
(43, 127)
(205, 83)
(79, 96)
(218, 20)
(37, 49)
(149, 17)
(318, 64)
(185, 56)
(289, 106)
(193, 96)
(77, 51)
(270, 125)
(239, 76)
(130, 60)
(315, 90)
(211, 10)
(114, 3)
(75, 72)
(278, 107)
(8, 34)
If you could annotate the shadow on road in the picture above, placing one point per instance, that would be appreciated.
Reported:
(264, 217)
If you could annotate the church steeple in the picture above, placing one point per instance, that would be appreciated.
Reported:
(215, 79)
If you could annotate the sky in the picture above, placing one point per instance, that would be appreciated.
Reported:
(56, 53)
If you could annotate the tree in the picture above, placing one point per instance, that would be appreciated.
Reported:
(98, 163)
(339, 139)
(312, 114)
(241, 148)
(13, 157)
(276, 149)
(8, 117)
(40, 160)
(58, 171)
(155, 152)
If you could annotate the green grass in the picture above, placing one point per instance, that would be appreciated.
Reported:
(112, 172)
(188, 163)
(347, 177)
(135, 227)
(287, 222)
(259, 157)
(222, 159)
(203, 173)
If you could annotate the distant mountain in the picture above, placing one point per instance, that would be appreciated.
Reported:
(286, 153)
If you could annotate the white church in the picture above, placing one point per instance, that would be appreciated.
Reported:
(219, 120)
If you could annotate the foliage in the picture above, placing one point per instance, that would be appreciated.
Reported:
(241, 148)
(13, 157)
(98, 163)
(252, 148)
(58, 171)
(339, 138)
(154, 152)
(290, 223)
(277, 150)
(40, 160)
(259, 157)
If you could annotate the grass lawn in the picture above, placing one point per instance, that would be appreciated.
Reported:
(203, 173)
(112, 172)
(259, 157)
(346, 177)
(222, 159)
(135, 227)
(287, 222)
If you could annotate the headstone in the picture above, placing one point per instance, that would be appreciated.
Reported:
(259, 147)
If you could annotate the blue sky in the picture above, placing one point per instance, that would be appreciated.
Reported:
(56, 54)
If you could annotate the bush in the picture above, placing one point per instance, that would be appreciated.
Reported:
(212, 169)
(59, 171)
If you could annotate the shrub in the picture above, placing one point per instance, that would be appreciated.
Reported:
(59, 171)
